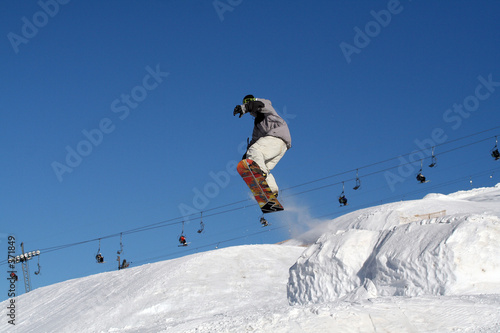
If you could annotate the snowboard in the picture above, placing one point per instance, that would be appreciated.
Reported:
(254, 178)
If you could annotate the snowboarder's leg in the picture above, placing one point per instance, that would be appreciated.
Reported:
(267, 152)
(272, 183)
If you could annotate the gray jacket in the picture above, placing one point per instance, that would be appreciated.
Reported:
(267, 121)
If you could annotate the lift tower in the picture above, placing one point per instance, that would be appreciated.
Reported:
(23, 259)
(26, 272)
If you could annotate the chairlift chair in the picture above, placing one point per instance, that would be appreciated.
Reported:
(342, 198)
(121, 245)
(358, 182)
(182, 238)
(202, 225)
(494, 152)
(433, 159)
(420, 177)
(119, 253)
(39, 267)
(264, 222)
(98, 257)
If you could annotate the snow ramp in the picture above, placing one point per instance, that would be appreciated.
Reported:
(370, 253)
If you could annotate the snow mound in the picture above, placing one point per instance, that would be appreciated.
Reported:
(187, 291)
(392, 251)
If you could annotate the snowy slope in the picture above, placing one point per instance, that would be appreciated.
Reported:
(380, 269)
(186, 291)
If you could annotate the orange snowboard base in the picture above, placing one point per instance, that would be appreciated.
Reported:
(254, 178)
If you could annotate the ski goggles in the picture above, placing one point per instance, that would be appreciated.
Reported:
(249, 99)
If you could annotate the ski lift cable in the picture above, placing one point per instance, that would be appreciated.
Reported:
(208, 245)
(396, 197)
(172, 221)
(166, 223)
(408, 193)
(375, 172)
(163, 224)
(319, 217)
(394, 158)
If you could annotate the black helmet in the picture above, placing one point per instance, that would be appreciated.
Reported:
(248, 98)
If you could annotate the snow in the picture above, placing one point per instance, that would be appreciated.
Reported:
(429, 265)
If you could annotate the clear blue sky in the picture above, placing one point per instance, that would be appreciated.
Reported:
(117, 114)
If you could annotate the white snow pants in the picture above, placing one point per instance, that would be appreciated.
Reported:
(266, 152)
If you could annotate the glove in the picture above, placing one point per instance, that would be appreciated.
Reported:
(238, 110)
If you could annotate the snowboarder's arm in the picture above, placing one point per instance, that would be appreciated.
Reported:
(254, 107)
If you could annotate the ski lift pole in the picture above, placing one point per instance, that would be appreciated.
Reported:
(26, 272)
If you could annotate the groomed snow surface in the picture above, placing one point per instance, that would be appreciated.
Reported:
(430, 265)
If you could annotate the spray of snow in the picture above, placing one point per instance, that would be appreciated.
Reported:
(303, 228)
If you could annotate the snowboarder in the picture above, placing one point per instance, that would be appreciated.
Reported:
(270, 138)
